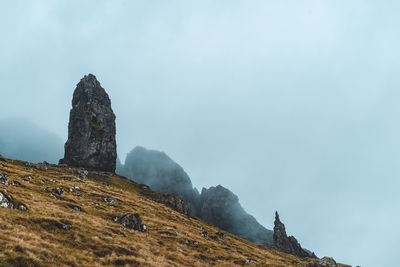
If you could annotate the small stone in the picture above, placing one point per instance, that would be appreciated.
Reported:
(66, 226)
(110, 200)
(22, 207)
(179, 249)
(205, 235)
(66, 178)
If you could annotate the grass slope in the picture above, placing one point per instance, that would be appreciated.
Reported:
(36, 237)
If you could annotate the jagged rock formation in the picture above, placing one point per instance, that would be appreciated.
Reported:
(220, 207)
(216, 205)
(161, 173)
(287, 244)
(91, 131)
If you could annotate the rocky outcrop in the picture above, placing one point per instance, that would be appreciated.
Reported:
(220, 207)
(161, 173)
(284, 243)
(91, 131)
(324, 262)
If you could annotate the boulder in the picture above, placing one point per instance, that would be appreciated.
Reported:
(91, 131)
(6, 201)
(133, 221)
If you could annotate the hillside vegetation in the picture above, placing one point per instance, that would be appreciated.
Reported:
(68, 220)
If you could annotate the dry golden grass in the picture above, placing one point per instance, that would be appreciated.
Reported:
(36, 238)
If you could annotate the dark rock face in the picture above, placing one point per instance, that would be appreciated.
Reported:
(284, 243)
(220, 207)
(133, 221)
(91, 131)
(161, 173)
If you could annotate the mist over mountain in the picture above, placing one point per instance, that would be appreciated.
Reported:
(24, 140)
(216, 205)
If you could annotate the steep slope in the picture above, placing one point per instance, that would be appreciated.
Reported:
(71, 217)
(216, 205)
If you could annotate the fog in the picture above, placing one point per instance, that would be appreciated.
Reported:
(291, 105)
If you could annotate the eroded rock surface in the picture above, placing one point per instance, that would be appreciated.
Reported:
(91, 131)
(284, 243)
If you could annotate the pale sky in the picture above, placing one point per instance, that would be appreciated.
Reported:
(292, 105)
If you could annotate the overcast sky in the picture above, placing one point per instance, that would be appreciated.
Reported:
(293, 105)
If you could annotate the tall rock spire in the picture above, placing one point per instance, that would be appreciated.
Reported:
(91, 130)
(287, 244)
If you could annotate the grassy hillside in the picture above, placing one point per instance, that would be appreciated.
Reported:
(77, 228)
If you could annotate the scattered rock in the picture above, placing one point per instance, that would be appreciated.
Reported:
(133, 221)
(105, 183)
(15, 183)
(179, 249)
(57, 190)
(205, 259)
(91, 130)
(205, 235)
(3, 179)
(110, 200)
(249, 261)
(221, 235)
(79, 195)
(185, 241)
(284, 243)
(83, 173)
(66, 178)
